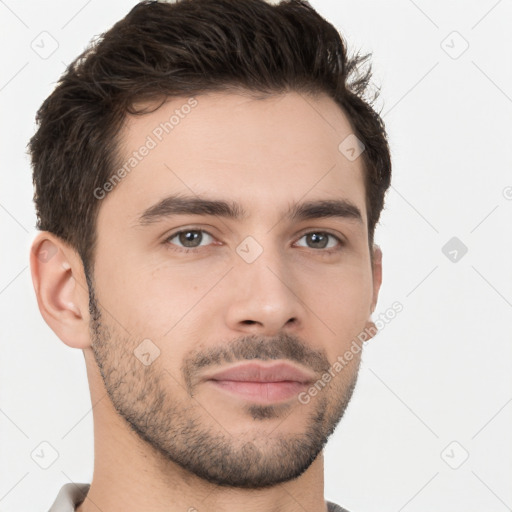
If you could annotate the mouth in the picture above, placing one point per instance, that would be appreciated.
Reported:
(260, 392)
(262, 383)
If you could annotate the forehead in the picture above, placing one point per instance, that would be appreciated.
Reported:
(273, 151)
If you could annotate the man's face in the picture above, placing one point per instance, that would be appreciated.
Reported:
(265, 288)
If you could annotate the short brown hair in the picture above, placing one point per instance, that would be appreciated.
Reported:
(161, 50)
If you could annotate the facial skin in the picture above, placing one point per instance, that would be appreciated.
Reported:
(165, 438)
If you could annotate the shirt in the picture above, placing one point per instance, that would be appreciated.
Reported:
(73, 494)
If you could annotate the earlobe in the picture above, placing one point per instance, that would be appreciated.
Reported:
(61, 290)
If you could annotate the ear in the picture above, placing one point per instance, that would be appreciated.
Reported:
(61, 289)
(377, 274)
(371, 329)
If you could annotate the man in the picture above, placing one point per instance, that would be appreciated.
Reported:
(208, 179)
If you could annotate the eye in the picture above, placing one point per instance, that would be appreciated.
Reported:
(320, 240)
(189, 238)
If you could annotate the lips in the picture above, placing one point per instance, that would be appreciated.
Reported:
(257, 372)
(261, 383)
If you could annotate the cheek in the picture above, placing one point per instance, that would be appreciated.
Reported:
(341, 301)
(342, 289)
(159, 301)
(138, 302)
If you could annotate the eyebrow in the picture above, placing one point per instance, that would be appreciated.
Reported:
(190, 205)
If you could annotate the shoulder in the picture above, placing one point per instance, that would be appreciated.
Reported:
(332, 507)
(69, 497)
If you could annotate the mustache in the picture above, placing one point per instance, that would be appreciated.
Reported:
(254, 347)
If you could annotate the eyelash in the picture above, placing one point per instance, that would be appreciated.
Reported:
(177, 248)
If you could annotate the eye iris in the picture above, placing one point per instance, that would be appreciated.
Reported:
(185, 239)
(315, 237)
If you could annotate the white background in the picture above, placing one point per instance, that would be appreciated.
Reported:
(439, 372)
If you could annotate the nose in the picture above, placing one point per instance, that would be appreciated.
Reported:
(264, 296)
